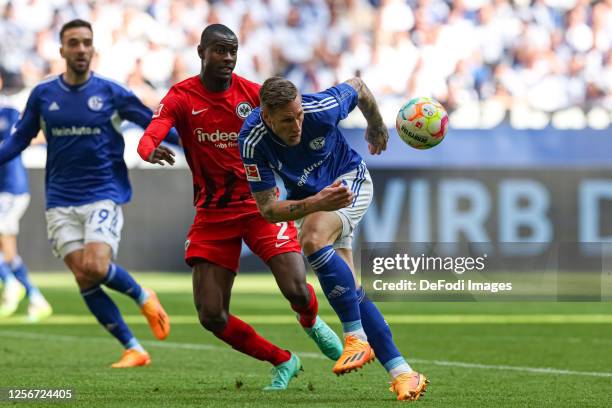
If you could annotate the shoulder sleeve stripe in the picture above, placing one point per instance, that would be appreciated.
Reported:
(250, 138)
(251, 151)
(319, 108)
(322, 101)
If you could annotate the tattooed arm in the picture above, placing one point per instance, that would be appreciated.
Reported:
(331, 198)
(376, 132)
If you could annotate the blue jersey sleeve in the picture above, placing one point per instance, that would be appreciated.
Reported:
(131, 108)
(331, 105)
(25, 130)
(13, 116)
(259, 174)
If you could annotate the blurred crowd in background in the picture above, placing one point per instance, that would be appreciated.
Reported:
(532, 63)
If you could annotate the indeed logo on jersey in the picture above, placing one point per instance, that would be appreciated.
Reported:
(76, 131)
(221, 140)
(308, 170)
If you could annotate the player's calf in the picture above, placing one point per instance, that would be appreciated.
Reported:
(297, 294)
(109, 316)
(245, 339)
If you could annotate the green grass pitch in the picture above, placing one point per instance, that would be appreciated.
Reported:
(475, 354)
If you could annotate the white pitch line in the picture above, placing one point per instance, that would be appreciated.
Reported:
(539, 370)
(209, 347)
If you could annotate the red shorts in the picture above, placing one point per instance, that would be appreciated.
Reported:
(217, 238)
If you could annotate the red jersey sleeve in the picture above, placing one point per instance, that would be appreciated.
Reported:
(164, 118)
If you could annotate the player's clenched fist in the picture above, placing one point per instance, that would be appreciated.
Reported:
(334, 197)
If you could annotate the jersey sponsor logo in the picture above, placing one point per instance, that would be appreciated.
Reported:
(280, 244)
(317, 143)
(243, 109)
(76, 131)
(197, 112)
(308, 170)
(252, 172)
(158, 110)
(53, 107)
(216, 136)
(95, 103)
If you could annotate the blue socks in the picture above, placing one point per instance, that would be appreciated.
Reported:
(338, 285)
(108, 315)
(21, 273)
(5, 272)
(120, 280)
(380, 337)
(105, 310)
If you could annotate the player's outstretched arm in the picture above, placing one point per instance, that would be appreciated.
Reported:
(377, 134)
(331, 198)
(149, 146)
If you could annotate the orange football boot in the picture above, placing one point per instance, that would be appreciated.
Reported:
(409, 386)
(156, 316)
(355, 355)
(132, 358)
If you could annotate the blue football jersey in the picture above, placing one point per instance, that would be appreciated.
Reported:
(84, 142)
(13, 176)
(322, 155)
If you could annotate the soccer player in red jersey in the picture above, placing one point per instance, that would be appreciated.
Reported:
(208, 111)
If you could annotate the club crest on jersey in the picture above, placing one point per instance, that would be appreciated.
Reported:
(252, 172)
(158, 110)
(243, 110)
(95, 103)
(317, 143)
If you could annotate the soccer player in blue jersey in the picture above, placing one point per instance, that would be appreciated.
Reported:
(87, 182)
(329, 190)
(14, 200)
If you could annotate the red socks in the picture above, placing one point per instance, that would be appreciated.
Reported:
(245, 339)
(308, 314)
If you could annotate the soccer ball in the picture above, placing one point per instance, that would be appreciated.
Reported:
(422, 123)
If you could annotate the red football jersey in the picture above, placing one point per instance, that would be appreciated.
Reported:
(208, 124)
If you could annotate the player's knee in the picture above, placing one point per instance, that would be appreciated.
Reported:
(95, 269)
(84, 280)
(313, 240)
(214, 321)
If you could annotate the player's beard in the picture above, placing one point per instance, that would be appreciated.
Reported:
(79, 68)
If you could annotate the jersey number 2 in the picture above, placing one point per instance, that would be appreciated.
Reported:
(281, 233)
